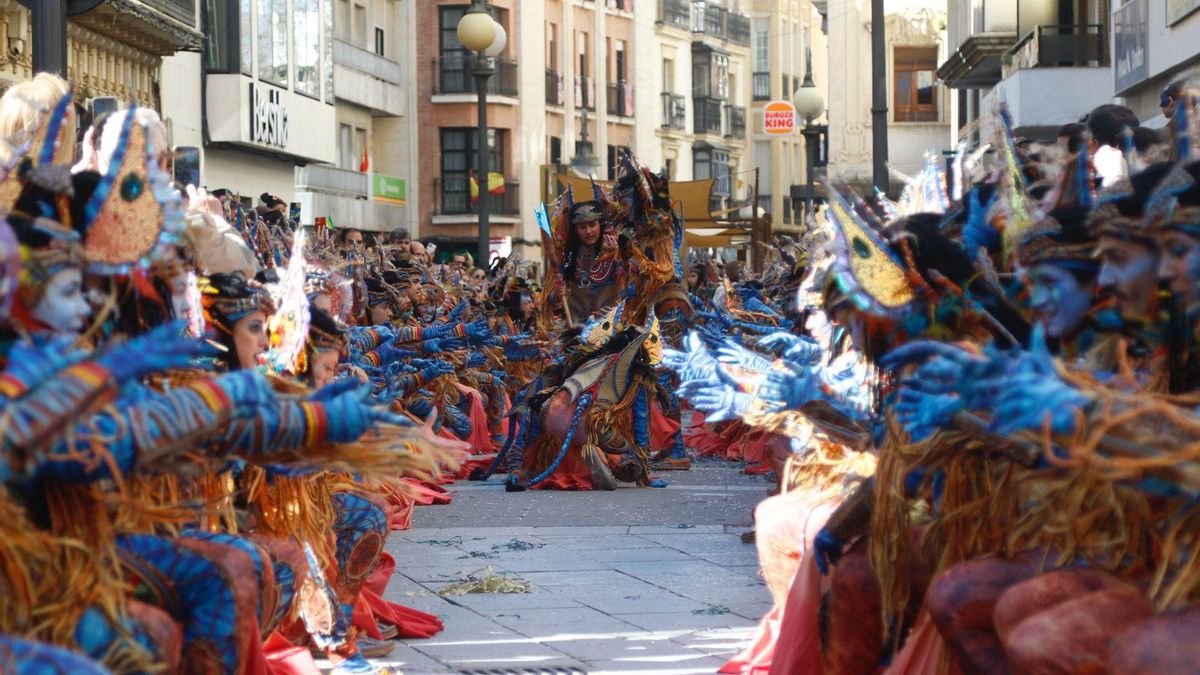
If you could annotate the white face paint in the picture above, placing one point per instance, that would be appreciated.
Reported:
(63, 306)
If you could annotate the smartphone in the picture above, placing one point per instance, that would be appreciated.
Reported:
(294, 211)
(186, 165)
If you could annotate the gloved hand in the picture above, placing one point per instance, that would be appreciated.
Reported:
(798, 348)
(457, 311)
(476, 360)
(333, 390)
(731, 353)
(249, 389)
(350, 415)
(438, 369)
(161, 349)
(30, 364)
(792, 388)
(437, 345)
(827, 549)
(977, 231)
(480, 335)
(500, 375)
(1032, 391)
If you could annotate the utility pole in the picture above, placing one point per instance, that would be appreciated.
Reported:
(879, 108)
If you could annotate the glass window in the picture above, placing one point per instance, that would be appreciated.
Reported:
(914, 84)
(327, 48)
(379, 41)
(306, 36)
(273, 41)
(346, 147)
(220, 33)
(762, 52)
(246, 13)
(458, 163)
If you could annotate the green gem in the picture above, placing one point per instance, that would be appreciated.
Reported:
(861, 248)
(131, 187)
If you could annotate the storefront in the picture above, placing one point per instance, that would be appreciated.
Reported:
(268, 100)
(1153, 44)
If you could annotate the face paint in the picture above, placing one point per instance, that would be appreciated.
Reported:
(1179, 264)
(63, 306)
(179, 299)
(1129, 272)
(1059, 299)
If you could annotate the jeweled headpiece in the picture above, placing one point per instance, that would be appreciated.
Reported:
(226, 298)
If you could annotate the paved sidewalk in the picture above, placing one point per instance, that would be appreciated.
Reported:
(632, 581)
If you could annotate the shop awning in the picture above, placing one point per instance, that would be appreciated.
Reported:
(715, 237)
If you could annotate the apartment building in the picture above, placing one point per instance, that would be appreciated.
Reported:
(919, 112)
(785, 35)
(700, 69)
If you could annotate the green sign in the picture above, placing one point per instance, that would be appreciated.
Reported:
(389, 189)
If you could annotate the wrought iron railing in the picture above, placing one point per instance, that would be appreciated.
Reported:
(676, 13)
(620, 99)
(674, 111)
(721, 23)
(709, 116)
(554, 87)
(453, 74)
(585, 92)
(453, 197)
(1061, 47)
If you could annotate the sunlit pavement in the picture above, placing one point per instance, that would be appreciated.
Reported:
(632, 581)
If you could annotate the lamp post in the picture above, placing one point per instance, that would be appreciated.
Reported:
(480, 33)
(809, 105)
(584, 163)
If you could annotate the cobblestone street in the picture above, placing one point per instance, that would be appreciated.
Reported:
(632, 581)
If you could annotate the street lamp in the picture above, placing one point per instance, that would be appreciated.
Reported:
(480, 33)
(584, 163)
(809, 105)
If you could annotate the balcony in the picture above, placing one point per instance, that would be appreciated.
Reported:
(453, 198)
(736, 122)
(675, 13)
(1059, 47)
(367, 79)
(554, 87)
(709, 116)
(160, 27)
(980, 33)
(761, 84)
(452, 75)
(585, 93)
(720, 23)
(331, 179)
(620, 99)
(1054, 59)
(674, 112)
(620, 5)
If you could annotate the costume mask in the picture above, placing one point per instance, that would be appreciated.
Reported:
(1128, 272)
(1059, 299)
(63, 306)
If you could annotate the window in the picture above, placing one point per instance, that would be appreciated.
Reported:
(710, 75)
(556, 157)
(914, 84)
(619, 47)
(552, 46)
(327, 50)
(710, 162)
(306, 33)
(458, 163)
(273, 41)
(359, 34)
(581, 50)
(762, 51)
(380, 42)
(346, 159)
(246, 12)
(343, 20)
(668, 76)
(220, 36)
(453, 72)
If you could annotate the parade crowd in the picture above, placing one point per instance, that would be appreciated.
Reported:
(978, 402)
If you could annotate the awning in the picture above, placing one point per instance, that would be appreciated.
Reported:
(692, 197)
(716, 237)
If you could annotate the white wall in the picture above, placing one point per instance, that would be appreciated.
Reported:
(249, 174)
(180, 86)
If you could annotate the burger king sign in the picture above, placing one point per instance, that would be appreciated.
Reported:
(779, 118)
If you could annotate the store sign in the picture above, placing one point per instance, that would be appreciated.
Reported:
(268, 117)
(779, 119)
(389, 189)
(1131, 32)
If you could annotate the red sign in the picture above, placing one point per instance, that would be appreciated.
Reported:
(779, 118)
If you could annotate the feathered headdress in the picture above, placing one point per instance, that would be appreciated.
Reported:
(134, 212)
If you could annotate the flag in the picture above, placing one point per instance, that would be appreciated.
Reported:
(364, 165)
(495, 185)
